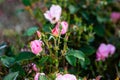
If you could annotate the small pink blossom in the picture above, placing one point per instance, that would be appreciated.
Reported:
(34, 67)
(36, 46)
(115, 16)
(66, 77)
(53, 15)
(104, 51)
(55, 31)
(39, 34)
(37, 75)
(64, 27)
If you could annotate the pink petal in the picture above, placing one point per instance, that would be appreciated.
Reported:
(111, 48)
(64, 27)
(36, 76)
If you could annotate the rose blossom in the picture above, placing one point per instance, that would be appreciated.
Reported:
(53, 15)
(56, 30)
(104, 51)
(64, 25)
(65, 77)
(115, 16)
(36, 46)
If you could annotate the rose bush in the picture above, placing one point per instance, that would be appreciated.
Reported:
(71, 40)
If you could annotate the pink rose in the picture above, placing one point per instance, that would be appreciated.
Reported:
(53, 15)
(37, 75)
(55, 31)
(64, 27)
(65, 77)
(115, 16)
(36, 46)
(104, 51)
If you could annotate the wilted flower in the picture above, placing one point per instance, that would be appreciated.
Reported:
(104, 51)
(53, 15)
(36, 46)
(115, 16)
(65, 77)
(37, 75)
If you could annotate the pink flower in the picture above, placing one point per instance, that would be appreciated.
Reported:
(53, 15)
(38, 34)
(64, 27)
(112, 48)
(104, 51)
(66, 77)
(115, 16)
(55, 31)
(36, 46)
(37, 75)
(34, 67)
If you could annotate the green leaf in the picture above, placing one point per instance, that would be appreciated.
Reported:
(76, 53)
(11, 76)
(43, 60)
(85, 63)
(71, 59)
(42, 77)
(72, 9)
(87, 49)
(16, 67)
(31, 31)
(85, 15)
(99, 30)
(24, 56)
(7, 61)
(47, 27)
(26, 2)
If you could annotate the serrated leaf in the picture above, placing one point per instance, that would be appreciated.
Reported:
(24, 56)
(31, 31)
(7, 61)
(11, 76)
(71, 59)
(77, 53)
